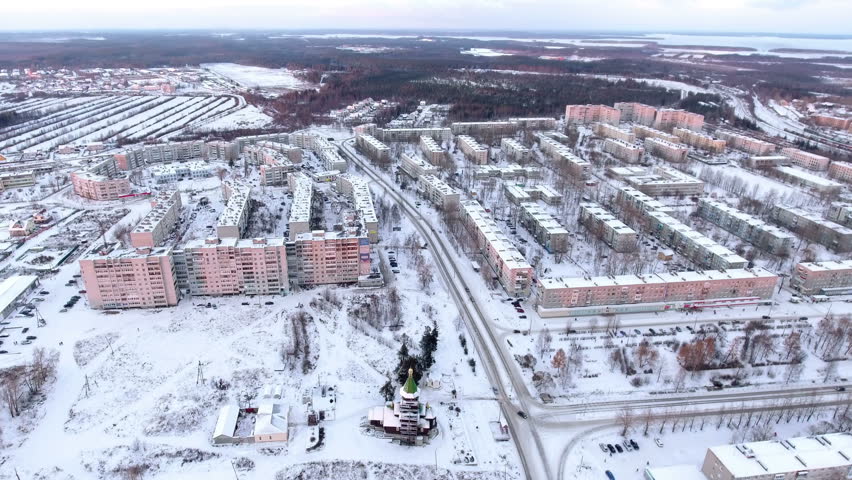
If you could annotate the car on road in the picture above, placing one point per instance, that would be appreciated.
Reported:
(523, 317)
(269, 303)
(522, 414)
(678, 329)
(766, 317)
(609, 475)
(841, 389)
(636, 331)
(658, 442)
(603, 447)
(3, 351)
(25, 330)
(803, 318)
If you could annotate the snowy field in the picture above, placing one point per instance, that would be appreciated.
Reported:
(252, 77)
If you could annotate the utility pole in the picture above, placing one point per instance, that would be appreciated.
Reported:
(199, 377)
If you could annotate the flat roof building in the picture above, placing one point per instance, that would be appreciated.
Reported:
(433, 152)
(693, 245)
(302, 208)
(808, 160)
(473, 150)
(159, 222)
(583, 114)
(134, 278)
(606, 227)
(544, 227)
(753, 230)
(514, 150)
(636, 112)
(234, 218)
(751, 146)
(611, 131)
(416, 166)
(358, 189)
(767, 161)
(700, 140)
(627, 152)
(664, 181)
(823, 278)
(643, 131)
(808, 180)
(439, 193)
(479, 128)
(826, 233)
(373, 148)
(841, 171)
(669, 151)
(668, 118)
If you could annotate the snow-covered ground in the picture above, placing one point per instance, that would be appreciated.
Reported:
(249, 76)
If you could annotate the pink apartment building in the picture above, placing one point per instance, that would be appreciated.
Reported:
(136, 278)
(749, 145)
(636, 112)
(159, 222)
(832, 122)
(582, 114)
(668, 118)
(99, 187)
(330, 257)
(841, 171)
(700, 140)
(808, 160)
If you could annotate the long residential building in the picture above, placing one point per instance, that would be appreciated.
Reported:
(826, 233)
(840, 212)
(611, 131)
(680, 288)
(636, 112)
(412, 134)
(809, 180)
(753, 230)
(767, 161)
(101, 181)
(804, 159)
(749, 145)
(175, 172)
(292, 152)
(473, 150)
(508, 172)
(373, 148)
(329, 154)
(510, 267)
(323, 258)
(416, 166)
(535, 123)
(544, 227)
(443, 196)
(302, 207)
(358, 189)
(668, 118)
(693, 245)
(515, 151)
(233, 266)
(159, 222)
(841, 171)
(433, 152)
(583, 114)
(479, 128)
(17, 179)
(632, 199)
(605, 226)
(628, 152)
(643, 131)
(518, 195)
(700, 140)
(823, 278)
(234, 218)
(669, 151)
(561, 154)
(830, 121)
(664, 181)
(134, 278)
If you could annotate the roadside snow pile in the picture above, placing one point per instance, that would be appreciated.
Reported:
(340, 470)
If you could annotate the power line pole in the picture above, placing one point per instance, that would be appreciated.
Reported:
(199, 377)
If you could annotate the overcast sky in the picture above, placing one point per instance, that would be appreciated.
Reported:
(781, 16)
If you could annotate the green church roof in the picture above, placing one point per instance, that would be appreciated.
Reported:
(410, 385)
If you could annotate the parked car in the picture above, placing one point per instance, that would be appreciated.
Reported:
(634, 444)
(609, 475)
(269, 303)
(627, 445)
(841, 389)
(25, 330)
(610, 448)
(766, 317)
(658, 442)
(603, 447)
(618, 448)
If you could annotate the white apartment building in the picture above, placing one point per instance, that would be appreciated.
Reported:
(510, 267)
(611, 131)
(443, 196)
(669, 151)
(808, 180)
(175, 172)
(258, 152)
(826, 233)
(561, 154)
(535, 123)
(753, 230)
(605, 226)
(515, 151)
(433, 152)
(174, 151)
(634, 200)
(767, 161)
(358, 190)
(840, 212)
(508, 172)
(518, 195)
(544, 227)
(700, 140)
(841, 171)
(234, 219)
(19, 179)
(416, 166)
(808, 160)
(159, 222)
(628, 152)
(691, 244)
(373, 148)
(751, 146)
(666, 182)
(473, 150)
(479, 128)
(329, 155)
(412, 134)
(582, 114)
(668, 118)
(301, 209)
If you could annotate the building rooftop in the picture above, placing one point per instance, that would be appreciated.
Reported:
(655, 278)
(498, 241)
(775, 457)
(808, 177)
(237, 205)
(300, 209)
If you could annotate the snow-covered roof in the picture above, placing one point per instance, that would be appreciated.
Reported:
(675, 472)
(271, 419)
(227, 422)
(13, 287)
(775, 457)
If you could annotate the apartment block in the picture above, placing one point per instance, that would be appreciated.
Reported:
(510, 267)
(234, 218)
(561, 154)
(515, 151)
(840, 212)
(274, 169)
(808, 180)
(416, 166)
(668, 118)
(159, 222)
(433, 152)
(175, 172)
(642, 132)
(753, 230)
(535, 123)
(517, 194)
(631, 199)
(323, 258)
(822, 278)
(611, 131)
(767, 161)
(818, 457)
(443, 196)
(301, 210)
(134, 278)
(544, 227)
(508, 172)
(221, 150)
(674, 287)
(830, 121)
(373, 148)
(606, 227)
(584, 114)
(473, 150)
(174, 151)
(700, 140)
(627, 152)
(666, 182)
(412, 134)
(808, 160)
(671, 152)
(636, 112)
(693, 245)
(482, 128)
(292, 153)
(328, 154)
(751, 146)
(826, 233)
(358, 189)
(100, 181)
(278, 137)
(841, 171)
(17, 179)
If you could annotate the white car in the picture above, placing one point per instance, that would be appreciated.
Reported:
(658, 442)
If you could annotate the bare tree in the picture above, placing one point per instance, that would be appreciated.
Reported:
(543, 342)
(625, 419)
